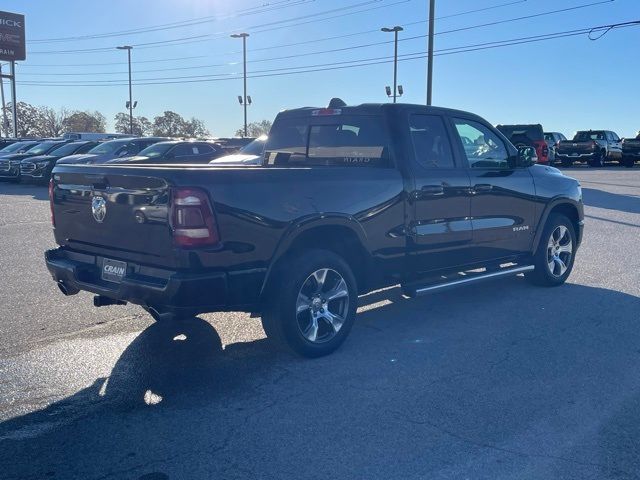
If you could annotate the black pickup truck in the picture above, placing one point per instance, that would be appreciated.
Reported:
(592, 146)
(347, 200)
(630, 151)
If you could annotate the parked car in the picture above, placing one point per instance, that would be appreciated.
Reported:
(250, 154)
(630, 150)
(175, 151)
(5, 142)
(10, 164)
(592, 146)
(39, 168)
(349, 199)
(529, 136)
(552, 139)
(18, 147)
(94, 136)
(232, 144)
(112, 149)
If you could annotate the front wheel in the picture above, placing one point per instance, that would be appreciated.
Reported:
(598, 162)
(627, 162)
(554, 258)
(311, 303)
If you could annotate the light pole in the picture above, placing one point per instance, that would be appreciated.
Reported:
(244, 36)
(395, 31)
(128, 48)
(432, 9)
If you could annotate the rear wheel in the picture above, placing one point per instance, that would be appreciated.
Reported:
(556, 252)
(567, 162)
(311, 304)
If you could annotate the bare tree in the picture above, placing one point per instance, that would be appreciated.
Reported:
(85, 122)
(255, 129)
(29, 119)
(52, 122)
(195, 128)
(141, 125)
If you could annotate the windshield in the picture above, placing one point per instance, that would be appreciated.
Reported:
(587, 136)
(156, 150)
(41, 148)
(14, 147)
(532, 132)
(108, 147)
(65, 150)
(256, 147)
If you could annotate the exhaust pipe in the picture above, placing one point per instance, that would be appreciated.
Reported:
(160, 317)
(102, 301)
(67, 290)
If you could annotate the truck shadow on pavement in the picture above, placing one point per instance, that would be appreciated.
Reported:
(37, 192)
(611, 201)
(448, 385)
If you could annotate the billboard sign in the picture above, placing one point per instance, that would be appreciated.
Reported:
(12, 37)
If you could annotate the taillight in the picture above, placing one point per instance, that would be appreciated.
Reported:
(53, 218)
(542, 150)
(192, 219)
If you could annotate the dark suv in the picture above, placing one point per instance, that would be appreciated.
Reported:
(10, 164)
(105, 151)
(39, 168)
(175, 151)
(529, 136)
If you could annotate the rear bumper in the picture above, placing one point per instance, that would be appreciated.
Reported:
(577, 156)
(166, 290)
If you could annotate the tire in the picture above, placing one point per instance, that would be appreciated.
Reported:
(556, 252)
(299, 314)
(598, 162)
(627, 162)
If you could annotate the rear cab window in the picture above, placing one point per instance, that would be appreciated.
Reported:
(329, 140)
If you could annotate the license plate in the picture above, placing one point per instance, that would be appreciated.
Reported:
(113, 270)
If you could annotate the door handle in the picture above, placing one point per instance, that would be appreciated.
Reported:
(482, 187)
(432, 190)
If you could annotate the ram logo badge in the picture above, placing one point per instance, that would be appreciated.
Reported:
(99, 209)
(521, 228)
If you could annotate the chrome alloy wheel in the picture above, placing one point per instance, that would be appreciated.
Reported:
(322, 305)
(559, 251)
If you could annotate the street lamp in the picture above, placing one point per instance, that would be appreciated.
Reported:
(128, 48)
(244, 102)
(395, 31)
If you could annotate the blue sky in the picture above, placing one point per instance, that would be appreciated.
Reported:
(566, 84)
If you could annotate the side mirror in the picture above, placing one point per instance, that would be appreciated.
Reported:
(527, 156)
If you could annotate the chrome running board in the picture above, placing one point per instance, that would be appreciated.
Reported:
(467, 278)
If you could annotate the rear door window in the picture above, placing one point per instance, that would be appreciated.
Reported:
(430, 141)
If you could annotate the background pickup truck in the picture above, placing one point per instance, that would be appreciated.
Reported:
(592, 146)
(348, 199)
(630, 151)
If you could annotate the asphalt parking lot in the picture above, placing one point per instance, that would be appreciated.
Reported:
(497, 381)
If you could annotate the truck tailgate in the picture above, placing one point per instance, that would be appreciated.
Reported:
(126, 215)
